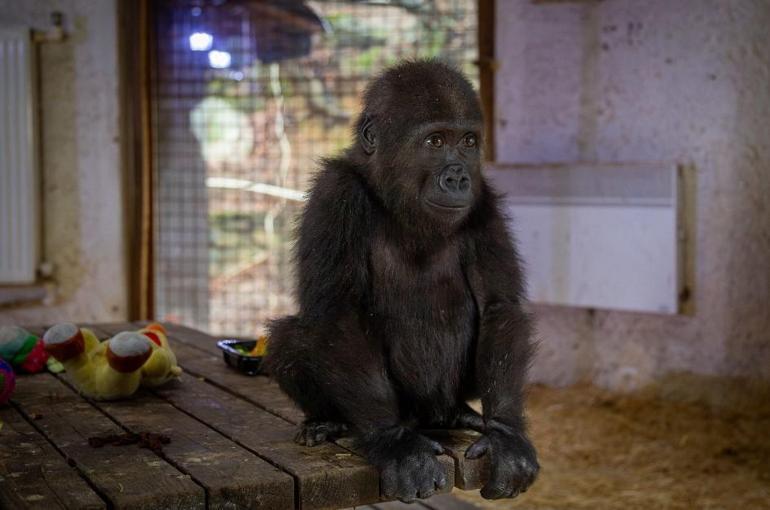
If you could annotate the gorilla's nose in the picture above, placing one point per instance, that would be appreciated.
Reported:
(454, 179)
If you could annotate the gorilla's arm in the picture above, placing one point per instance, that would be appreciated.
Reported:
(332, 243)
(503, 354)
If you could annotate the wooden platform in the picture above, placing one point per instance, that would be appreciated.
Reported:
(231, 445)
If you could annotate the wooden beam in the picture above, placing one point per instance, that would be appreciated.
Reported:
(487, 68)
(136, 42)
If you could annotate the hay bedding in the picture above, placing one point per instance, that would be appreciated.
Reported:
(604, 451)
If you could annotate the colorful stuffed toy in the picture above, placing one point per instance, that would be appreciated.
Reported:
(22, 350)
(117, 367)
(7, 381)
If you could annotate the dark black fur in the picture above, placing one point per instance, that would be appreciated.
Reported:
(408, 309)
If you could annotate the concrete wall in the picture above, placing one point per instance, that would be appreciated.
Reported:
(82, 200)
(660, 80)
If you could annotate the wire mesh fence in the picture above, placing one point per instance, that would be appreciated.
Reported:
(248, 96)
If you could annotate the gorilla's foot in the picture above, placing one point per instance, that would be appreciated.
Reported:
(409, 468)
(467, 418)
(313, 432)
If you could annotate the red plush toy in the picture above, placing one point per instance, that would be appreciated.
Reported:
(7, 381)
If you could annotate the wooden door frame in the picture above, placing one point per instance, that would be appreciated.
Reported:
(487, 67)
(135, 50)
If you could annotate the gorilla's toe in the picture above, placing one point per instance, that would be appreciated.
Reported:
(314, 432)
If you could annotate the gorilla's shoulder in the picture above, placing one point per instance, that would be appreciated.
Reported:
(338, 179)
(338, 198)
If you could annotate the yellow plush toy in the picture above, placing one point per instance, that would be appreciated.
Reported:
(117, 367)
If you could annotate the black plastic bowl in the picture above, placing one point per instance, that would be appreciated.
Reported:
(249, 365)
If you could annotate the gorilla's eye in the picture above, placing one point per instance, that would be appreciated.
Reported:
(435, 141)
(470, 141)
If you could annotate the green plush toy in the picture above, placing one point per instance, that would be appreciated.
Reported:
(24, 351)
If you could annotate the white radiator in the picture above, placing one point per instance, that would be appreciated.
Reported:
(19, 185)
(599, 235)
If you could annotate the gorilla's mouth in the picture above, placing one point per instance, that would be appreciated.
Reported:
(447, 207)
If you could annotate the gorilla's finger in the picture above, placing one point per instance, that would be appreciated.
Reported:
(501, 483)
(426, 485)
(441, 481)
(526, 475)
(406, 494)
(388, 482)
(477, 449)
(495, 491)
(426, 492)
(436, 447)
(407, 490)
(529, 481)
(407, 498)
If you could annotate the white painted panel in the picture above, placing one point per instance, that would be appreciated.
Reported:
(18, 169)
(599, 236)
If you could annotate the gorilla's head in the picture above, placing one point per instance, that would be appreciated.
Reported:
(421, 135)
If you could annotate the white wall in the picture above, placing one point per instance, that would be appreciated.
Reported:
(660, 80)
(82, 201)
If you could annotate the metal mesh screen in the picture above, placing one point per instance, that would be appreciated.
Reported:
(248, 95)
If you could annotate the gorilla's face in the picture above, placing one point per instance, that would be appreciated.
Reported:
(430, 173)
(437, 170)
(447, 161)
(421, 133)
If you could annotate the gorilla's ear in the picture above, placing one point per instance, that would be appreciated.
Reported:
(366, 135)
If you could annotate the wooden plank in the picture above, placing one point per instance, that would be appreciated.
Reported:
(127, 476)
(231, 475)
(397, 505)
(447, 502)
(469, 473)
(197, 353)
(108, 329)
(33, 475)
(327, 476)
(194, 338)
(437, 502)
(259, 390)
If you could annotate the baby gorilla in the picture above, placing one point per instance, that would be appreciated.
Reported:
(410, 293)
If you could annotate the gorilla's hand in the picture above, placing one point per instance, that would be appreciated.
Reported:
(411, 470)
(512, 459)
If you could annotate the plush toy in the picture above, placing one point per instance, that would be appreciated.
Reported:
(117, 367)
(7, 381)
(22, 350)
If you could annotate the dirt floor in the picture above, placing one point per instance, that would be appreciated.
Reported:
(604, 451)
